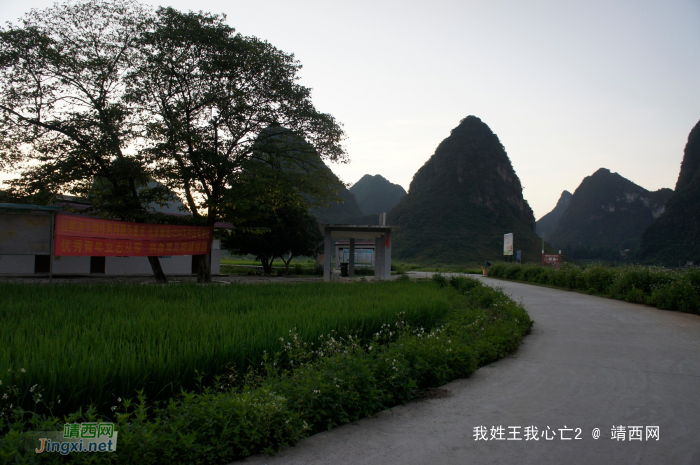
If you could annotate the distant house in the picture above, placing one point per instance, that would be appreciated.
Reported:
(24, 247)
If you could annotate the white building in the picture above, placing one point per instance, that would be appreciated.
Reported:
(25, 236)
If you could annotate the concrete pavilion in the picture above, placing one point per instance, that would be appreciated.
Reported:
(352, 232)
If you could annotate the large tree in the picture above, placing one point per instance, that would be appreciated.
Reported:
(285, 233)
(207, 96)
(66, 126)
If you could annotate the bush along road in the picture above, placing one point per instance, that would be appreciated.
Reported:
(304, 388)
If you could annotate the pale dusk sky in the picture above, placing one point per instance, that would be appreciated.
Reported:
(568, 87)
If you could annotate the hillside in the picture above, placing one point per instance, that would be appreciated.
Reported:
(549, 222)
(675, 236)
(607, 212)
(345, 212)
(286, 159)
(462, 201)
(375, 194)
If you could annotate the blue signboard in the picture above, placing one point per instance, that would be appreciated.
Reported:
(517, 256)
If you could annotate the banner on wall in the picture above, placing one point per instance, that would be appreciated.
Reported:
(78, 236)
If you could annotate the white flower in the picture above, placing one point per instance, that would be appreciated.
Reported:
(23, 370)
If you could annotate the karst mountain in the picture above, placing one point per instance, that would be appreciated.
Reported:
(549, 222)
(375, 194)
(462, 201)
(606, 215)
(674, 238)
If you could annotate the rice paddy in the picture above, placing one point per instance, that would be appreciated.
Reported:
(89, 344)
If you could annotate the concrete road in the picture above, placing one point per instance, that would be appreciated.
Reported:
(589, 363)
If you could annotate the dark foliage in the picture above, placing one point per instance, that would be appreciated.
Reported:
(662, 288)
(291, 232)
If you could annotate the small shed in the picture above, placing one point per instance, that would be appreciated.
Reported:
(381, 235)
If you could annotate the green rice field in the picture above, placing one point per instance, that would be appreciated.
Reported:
(90, 344)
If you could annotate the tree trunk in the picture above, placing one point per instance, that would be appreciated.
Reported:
(267, 265)
(157, 270)
(204, 269)
(287, 262)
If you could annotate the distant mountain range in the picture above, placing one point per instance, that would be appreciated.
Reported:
(467, 196)
(674, 238)
(606, 212)
(375, 194)
(462, 201)
(362, 203)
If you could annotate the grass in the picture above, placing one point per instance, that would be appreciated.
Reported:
(664, 288)
(400, 267)
(89, 344)
(304, 387)
(249, 266)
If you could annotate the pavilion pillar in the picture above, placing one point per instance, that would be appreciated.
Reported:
(386, 256)
(351, 264)
(327, 256)
(381, 257)
(377, 258)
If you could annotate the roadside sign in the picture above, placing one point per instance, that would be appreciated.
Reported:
(508, 244)
(551, 259)
(517, 256)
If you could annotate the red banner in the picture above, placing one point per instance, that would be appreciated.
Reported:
(92, 237)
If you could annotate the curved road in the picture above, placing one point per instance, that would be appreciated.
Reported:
(589, 362)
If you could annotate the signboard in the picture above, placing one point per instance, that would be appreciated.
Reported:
(78, 236)
(551, 259)
(508, 244)
(363, 257)
(23, 234)
(518, 256)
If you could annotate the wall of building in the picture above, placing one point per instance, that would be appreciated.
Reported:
(16, 264)
(173, 265)
(70, 265)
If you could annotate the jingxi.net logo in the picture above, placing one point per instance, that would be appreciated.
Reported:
(77, 437)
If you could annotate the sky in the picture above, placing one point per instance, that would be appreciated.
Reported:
(569, 87)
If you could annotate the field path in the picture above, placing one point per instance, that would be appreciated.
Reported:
(589, 362)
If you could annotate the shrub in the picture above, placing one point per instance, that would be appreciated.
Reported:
(463, 284)
(440, 280)
(330, 383)
(664, 288)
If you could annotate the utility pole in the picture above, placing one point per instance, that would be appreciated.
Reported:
(542, 243)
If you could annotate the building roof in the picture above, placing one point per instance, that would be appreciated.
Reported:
(356, 231)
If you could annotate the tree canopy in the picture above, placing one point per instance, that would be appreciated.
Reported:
(101, 98)
(207, 96)
(290, 232)
(66, 122)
